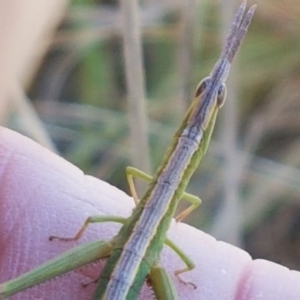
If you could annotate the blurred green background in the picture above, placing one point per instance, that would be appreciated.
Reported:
(250, 179)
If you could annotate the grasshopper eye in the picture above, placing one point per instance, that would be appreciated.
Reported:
(221, 95)
(202, 86)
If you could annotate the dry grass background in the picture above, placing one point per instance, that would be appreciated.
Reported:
(73, 93)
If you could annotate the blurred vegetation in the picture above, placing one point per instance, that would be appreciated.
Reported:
(80, 94)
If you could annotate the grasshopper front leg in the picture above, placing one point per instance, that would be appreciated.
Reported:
(133, 172)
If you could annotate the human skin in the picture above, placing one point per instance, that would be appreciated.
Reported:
(41, 194)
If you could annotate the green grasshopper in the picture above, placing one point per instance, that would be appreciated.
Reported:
(133, 254)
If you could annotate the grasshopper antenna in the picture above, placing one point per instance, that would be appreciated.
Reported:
(238, 31)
